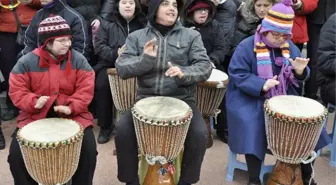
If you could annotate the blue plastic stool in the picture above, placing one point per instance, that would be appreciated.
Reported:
(332, 146)
(235, 164)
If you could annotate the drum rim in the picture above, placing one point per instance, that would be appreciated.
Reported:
(181, 121)
(47, 145)
(294, 119)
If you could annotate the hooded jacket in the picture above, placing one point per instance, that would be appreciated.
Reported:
(247, 22)
(181, 46)
(112, 35)
(89, 9)
(74, 19)
(215, 40)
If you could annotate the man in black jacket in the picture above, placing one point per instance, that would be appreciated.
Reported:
(315, 21)
(326, 60)
(78, 26)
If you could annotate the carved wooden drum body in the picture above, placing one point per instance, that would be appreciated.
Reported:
(51, 149)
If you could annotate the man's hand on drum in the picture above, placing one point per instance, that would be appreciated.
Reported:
(270, 83)
(151, 48)
(174, 71)
(299, 64)
(41, 102)
(62, 109)
(121, 50)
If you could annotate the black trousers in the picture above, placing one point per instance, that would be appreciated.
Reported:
(312, 46)
(8, 52)
(103, 100)
(194, 148)
(83, 175)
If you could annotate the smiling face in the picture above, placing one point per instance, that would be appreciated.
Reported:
(201, 15)
(127, 9)
(166, 14)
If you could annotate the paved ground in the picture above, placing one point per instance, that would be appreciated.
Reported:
(213, 169)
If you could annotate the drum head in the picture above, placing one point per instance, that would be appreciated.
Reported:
(50, 130)
(217, 79)
(111, 71)
(296, 106)
(218, 76)
(162, 108)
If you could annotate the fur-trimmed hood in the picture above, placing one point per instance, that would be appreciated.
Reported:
(247, 12)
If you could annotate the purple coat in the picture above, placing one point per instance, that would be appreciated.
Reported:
(244, 100)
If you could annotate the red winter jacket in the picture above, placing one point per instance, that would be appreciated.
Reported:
(300, 32)
(25, 13)
(28, 81)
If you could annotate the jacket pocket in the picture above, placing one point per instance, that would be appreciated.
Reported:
(177, 51)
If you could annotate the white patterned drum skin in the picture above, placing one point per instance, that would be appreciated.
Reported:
(123, 91)
(210, 94)
(161, 125)
(51, 149)
(293, 126)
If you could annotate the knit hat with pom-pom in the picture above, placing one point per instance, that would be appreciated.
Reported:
(280, 18)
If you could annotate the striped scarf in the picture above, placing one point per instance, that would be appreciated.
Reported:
(265, 66)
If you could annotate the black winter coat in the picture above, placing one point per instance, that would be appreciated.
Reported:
(214, 37)
(76, 22)
(89, 9)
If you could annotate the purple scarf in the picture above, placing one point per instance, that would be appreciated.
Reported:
(265, 63)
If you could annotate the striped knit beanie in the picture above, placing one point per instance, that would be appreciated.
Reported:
(279, 18)
(52, 27)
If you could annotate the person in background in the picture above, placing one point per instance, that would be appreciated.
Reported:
(79, 29)
(199, 15)
(13, 23)
(326, 60)
(258, 71)
(249, 16)
(300, 32)
(315, 21)
(110, 41)
(225, 13)
(53, 81)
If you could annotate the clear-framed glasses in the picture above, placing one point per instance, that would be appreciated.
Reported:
(64, 41)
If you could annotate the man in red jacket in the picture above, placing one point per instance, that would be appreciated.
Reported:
(12, 14)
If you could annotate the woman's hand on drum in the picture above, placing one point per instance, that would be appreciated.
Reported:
(299, 64)
(270, 83)
(41, 102)
(174, 71)
(62, 109)
(151, 48)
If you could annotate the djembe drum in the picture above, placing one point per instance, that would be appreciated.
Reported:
(209, 95)
(293, 127)
(161, 125)
(123, 91)
(51, 149)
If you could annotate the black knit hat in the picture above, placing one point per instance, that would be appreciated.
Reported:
(52, 27)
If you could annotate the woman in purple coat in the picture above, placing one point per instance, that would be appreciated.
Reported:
(260, 68)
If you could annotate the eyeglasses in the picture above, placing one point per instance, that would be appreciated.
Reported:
(202, 10)
(64, 41)
(279, 35)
